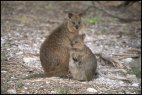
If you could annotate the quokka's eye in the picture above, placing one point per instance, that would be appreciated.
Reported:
(73, 22)
(76, 41)
(79, 22)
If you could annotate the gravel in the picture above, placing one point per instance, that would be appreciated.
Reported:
(25, 25)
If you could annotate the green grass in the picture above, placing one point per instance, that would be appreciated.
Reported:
(61, 90)
(4, 53)
(19, 84)
(49, 7)
(7, 29)
(92, 20)
(3, 56)
(101, 33)
(136, 72)
(7, 44)
(23, 19)
(4, 87)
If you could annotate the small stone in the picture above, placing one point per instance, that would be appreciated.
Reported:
(127, 92)
(131, 76)
(11, 91)
(25, 88)
(13, 77)
(91, 90)
(47, 82)
(2, 41)
(117, 47)
(84, 82)
(3, 71)
(127, 60)
(8, 49)
(121, 82)
(27, 83)
(53, 92)
(26, 60)
(135, 84)
(101, 46)
(29, 59)
(19, 53)
(71, 82)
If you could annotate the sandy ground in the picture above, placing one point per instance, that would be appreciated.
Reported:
(26, 24)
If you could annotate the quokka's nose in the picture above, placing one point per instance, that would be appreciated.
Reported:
(71, 44)
(76, 27)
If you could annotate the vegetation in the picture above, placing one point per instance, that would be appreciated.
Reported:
(92, 20)
(136, 72)
(61, 90)
(19, 84)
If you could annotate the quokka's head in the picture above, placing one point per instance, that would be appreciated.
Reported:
(74, 23)
(78, 42)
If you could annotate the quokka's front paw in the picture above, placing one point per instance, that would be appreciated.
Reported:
(75, 59)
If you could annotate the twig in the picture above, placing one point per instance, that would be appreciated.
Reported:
(134, 49)
(134, 56)
(124, 55)
(113, 70)
(114, 78)
(115, 62)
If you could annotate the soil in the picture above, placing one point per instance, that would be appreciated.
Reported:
(26, 24)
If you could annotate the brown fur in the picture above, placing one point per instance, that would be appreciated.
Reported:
(83, 62)
(54, 53)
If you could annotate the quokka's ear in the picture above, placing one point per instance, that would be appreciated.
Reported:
(81, 14)
(83, 36)
(70, 15)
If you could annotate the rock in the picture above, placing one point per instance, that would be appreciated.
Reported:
(131, 76)
(13, 77)
(27, 83)
(127, 60)
(92, 90)
(25, 88)
(121, 82)
(135, 84)
(84, 82)
(2, 41)
(26, 60)
(11, 91)
(8, 49)
(3, 71)
(116, 47)
(31, 60)
(47, 82)
(89, 38)
(53, 92)
(19, 53)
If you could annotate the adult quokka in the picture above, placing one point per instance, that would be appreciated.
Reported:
(54, 52)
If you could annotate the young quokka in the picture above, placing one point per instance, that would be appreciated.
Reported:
(54, 52)
(83, 62)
